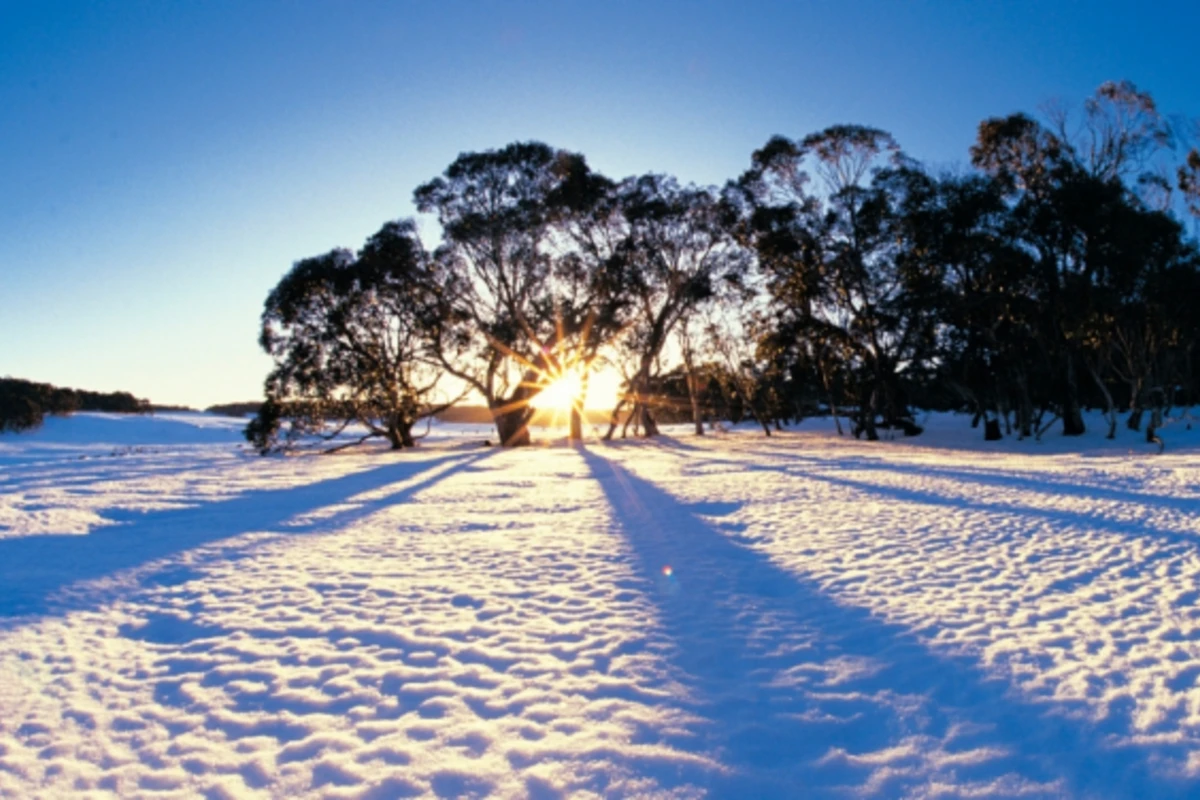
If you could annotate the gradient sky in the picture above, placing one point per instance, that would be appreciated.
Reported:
(164, 163)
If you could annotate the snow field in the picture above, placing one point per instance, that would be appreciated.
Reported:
(729, 616)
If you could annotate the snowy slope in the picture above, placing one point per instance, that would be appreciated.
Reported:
(99, 434)
(732, 616)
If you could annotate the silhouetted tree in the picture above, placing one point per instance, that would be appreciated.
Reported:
(678, 252)
(1079, 201)
(526, 295)
(1189, 182)
(834, 273)
(351, 338)
(25, 404)
(833, 258)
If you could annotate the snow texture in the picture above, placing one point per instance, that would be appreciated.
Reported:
(726, 616)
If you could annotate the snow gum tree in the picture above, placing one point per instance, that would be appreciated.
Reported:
(679, 253)
(836, 273)
(1089, 203)
(351, 337)
(533, 304)
(833, 259)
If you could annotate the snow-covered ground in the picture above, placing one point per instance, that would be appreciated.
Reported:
(731, 616)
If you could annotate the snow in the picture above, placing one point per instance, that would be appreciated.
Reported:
(726, 616)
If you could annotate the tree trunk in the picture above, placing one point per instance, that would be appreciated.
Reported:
(614, 420)
(1152, 436)
(766, 428)
(866, 420)
(1134, 421)
(689, 365)
(1073, 419)
(512, 426)
(399, 434)
(1072, 414)
(649, 426)
(825, 382)
(694, 397)
(1110, 411)
(1024, 408)
(576, 432)
(641, 408)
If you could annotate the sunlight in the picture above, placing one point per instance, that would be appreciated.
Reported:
(603, 390)
(560, 393)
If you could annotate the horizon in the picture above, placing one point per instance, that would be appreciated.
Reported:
(167, 165)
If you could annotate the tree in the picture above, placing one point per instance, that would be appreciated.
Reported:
(967, 277)
(593, 308)
(1080, 197)
(531, 307)
(1189, 182)
(351, 338)
(833, 260)
(1090, 207)
(678, 252)
(1118, 138)
(1052, 197)
(25, 404)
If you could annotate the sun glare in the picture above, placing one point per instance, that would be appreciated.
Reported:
(560, 393)
(603, 390)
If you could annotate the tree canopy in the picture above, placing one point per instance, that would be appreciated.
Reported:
(352, 339)
(835, 275)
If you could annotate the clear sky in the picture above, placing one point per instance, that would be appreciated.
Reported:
(164, 163)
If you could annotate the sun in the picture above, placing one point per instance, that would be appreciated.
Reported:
(560, 393)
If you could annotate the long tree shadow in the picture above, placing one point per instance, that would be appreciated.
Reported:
(62, 474)
(1040, 484)
(804, 696)
(1174, 542)
(822, 469)
(117, 463)
(34, 569)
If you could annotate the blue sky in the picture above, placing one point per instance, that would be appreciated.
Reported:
(164, 163)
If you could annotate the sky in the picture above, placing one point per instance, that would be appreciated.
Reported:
(162, 165)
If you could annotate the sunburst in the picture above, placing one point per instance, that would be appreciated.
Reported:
(560, 378)
(562, 393)
(562, 386)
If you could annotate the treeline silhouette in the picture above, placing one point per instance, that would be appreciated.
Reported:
(236, 409)
(835, 275)
(25, 404)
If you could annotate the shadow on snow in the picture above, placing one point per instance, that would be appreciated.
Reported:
(804, 695)
(35, 570)
(1040, 483)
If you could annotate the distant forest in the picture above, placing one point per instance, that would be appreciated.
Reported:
(836, 275)
(25, 404)
(236, 409)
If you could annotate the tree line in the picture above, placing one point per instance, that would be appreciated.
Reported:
(25, 404)
(835, 275)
